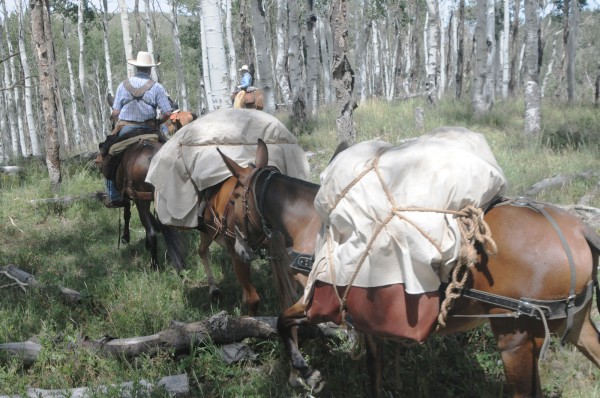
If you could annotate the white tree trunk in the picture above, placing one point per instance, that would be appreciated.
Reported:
(16, 92)
(480, 57)
(214, 63)
(107, 67)
(231, 57)
(505, 51)
(263, 54)
(296, 63)
(31, 126)
(376, 61)
(433, 49)
(550, 68)
(489, 87)
(89, 118)
(77, 136)
(127, 43)
(312, 60)
(532, 91)
(282, 52)
(363, 34)
(326, 46)
(571, 47)
(183, 100)
(148, 15)
(9, 104)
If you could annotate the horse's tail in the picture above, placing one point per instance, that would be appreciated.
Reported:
(174, 245)
(287, 288)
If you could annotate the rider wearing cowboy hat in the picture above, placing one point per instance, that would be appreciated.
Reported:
(135, 108)
(245, 82)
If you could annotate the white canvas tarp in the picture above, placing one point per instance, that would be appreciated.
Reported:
(189, 162)
(448, 168)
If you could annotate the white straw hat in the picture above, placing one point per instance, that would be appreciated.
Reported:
(144, 59)
(244, 67)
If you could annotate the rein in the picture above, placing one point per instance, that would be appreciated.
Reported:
(268, 232)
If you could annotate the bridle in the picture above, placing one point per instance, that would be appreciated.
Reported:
(259, 222)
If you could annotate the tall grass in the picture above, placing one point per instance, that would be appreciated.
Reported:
(76, 245)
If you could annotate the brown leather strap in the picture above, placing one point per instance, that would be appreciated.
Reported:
(138, 92)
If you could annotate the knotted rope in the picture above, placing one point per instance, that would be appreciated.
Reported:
(471, 225)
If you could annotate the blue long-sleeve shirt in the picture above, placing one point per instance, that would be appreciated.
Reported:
(246, 81)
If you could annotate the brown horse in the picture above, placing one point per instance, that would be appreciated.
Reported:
(543, 253)
(131, 180)
(252, 99)
(177, 120)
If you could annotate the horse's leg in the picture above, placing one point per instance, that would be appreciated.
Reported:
(126, 237)
(585, 336)
(242, 272)
(301, 374)
(149, 224)
(520, 349)
(205, 242)
(374, 351)
(173, 242)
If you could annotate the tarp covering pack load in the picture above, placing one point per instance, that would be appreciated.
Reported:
(189, 162)
(383, 209)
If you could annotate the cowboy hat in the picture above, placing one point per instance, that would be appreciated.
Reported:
(244, 67)
(144, 60)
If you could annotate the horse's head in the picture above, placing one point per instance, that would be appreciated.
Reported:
(249, 223)
(110, 100)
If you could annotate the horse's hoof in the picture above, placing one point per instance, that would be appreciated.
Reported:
(315, 382)
(215, 294)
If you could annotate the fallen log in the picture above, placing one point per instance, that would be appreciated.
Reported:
(588, 214)
(23, 279)
(558, 180)
(179, 338)
(176, 386)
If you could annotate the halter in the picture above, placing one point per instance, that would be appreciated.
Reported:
(268, 232)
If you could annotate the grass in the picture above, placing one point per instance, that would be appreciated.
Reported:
(76, 246)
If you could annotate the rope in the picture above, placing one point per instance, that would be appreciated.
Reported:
(473, 229)
(471, 225)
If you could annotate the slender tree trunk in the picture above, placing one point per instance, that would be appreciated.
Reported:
(89, 119)
(433, 51)
(325, 46)
(41, 32)
(296, 63)
(231, 57)
(16, 91)
(148, 22)
(460, 53)
(260, 27)
(127, 42)
(312, 60)
(480, 71)
(532, 91)
(550, 68)
(214, 63)
(282, 52)
(571, 49)
(343, 74)
(9, 101)
(363, 35)
(138, 25)
(505, 53)
(513, 81)
(31, 125)
(489, 88)
(77, 136)
(183, 99)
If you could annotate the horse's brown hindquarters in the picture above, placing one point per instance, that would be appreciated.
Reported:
(387, 311)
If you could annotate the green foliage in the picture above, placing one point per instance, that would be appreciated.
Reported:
(75, 245)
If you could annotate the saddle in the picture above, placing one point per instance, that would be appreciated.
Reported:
(112, 149)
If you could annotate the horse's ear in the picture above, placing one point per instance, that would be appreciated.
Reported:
(235, 168)
(341, 148)
(110, 99)
(262, 154)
